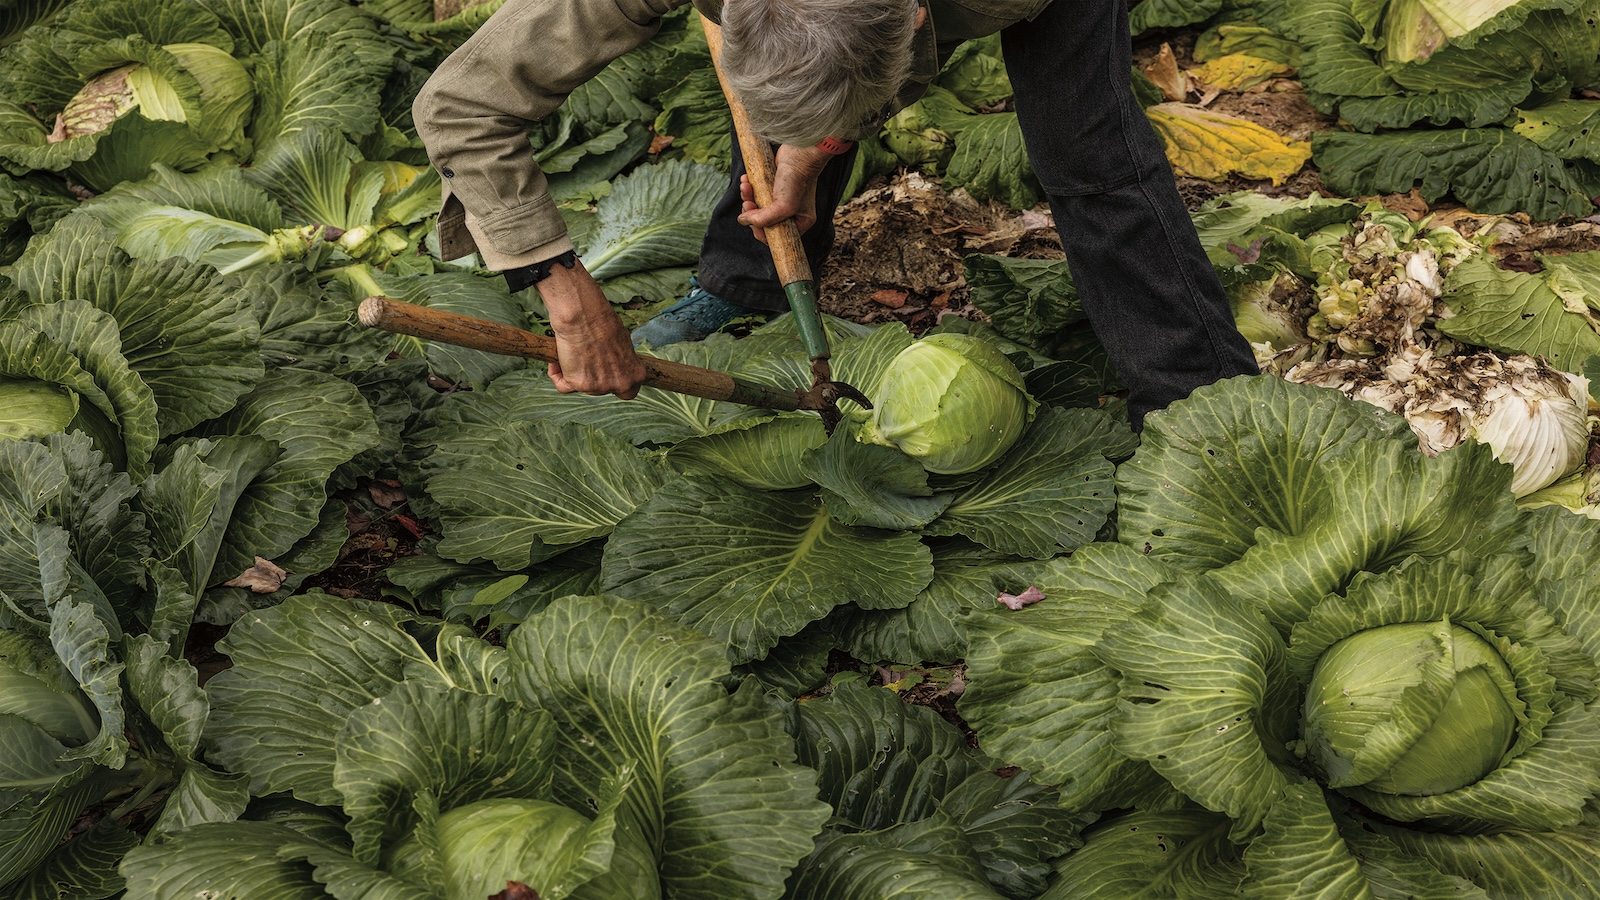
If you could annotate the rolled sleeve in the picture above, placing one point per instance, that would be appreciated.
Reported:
(473, 114)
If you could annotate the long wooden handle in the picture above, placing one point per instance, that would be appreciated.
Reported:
(507, 340)
(788, 254)
(783, 239)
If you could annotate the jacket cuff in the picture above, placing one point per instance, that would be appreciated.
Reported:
(498, 261)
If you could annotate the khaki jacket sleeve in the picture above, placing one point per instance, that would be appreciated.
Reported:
(474, 111)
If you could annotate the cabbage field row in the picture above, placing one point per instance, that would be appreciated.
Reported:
(1326, 632)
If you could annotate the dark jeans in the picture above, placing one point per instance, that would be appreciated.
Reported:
(1150, 293)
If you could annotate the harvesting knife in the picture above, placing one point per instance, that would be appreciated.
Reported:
(388, 314)
(788, 255)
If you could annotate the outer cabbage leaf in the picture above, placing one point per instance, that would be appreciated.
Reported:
(1183, 852)
(1206, 699)
(76, 347)
(1301, 852)
(255, 23)
(64, 524)
(321, 81)
(1011, 824)
(1214, 146)
(95, 507)
(872, 485)
(85, 866)
(1561, 865)
(21, 15)
(1568, 128)
(1491, 170)
(167, 691)
(347, 653)
(1233, 457)
(966, 578)
(1515, 313)
(458, 292)
(320, 422)
(1050, 493)
(1459, 501)
(1565, 551)
(190, 864)
(189, 503)
(1030, 301)
(214, 216)
(1039, 697)
(719, 792)
(752, 567)
(1483, 106)
(991, 161)
(1335, 63)
(1171, 13)
(917, 859)
(29, 205)
(761, 453)
(655, 416)
(545, 486)
(307, 326)
(187, 332)
(416, 18)
(695, 114)
(458, 745)
(653, 218)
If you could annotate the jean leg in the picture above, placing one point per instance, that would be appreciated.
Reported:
(1151, 295)
(738, 268)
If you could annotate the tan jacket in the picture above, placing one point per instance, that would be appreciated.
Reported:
(474, 111)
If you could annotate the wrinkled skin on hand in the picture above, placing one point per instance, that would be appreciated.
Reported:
(794, 191)
(596, 352)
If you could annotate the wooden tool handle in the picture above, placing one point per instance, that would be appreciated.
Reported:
(783, 239)
(788, 254)
(507, 340)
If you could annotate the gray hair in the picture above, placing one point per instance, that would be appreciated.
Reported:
(810, 69)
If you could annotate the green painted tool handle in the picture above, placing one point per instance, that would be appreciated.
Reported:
(497, 337)
(788, 254)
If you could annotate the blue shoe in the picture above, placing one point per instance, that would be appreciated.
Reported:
(698, 315)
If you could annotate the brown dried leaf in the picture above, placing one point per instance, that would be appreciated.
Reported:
(1164, 73)
(516, 890)
(386, 494)
(1411, 205)
(890, 297)
(1017, 601)
(262, 578)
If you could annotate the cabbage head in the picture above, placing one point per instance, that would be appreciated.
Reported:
(1373, 714)
(952, 401)
(138, 102)
(554, 850)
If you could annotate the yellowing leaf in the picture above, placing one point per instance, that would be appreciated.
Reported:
(1213, 146)
(1238, 72)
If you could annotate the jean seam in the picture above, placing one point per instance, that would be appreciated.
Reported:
(1192, 289)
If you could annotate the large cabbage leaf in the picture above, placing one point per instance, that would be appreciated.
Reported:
(721, 796)
(752, 567)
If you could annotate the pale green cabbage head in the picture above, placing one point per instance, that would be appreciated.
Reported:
(546, 846)
(952, 401)
(153, 88)
(1373, 715)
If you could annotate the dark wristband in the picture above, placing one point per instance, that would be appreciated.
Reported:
(523, 277)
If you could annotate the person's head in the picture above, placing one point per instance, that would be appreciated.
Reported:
(810, 69)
